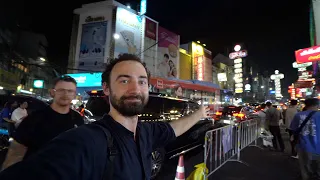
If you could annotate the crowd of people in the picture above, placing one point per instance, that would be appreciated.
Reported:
(303, 127)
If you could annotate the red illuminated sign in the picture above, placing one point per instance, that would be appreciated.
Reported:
(308, 54)
(200, 68)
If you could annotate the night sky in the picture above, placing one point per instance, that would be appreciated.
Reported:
(270, 30)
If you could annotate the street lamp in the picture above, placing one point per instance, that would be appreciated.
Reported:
(116, 36)
(237, 47)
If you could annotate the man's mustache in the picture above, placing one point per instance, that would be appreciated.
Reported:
(132, 97)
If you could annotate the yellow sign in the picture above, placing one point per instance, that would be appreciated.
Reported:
(8, 80)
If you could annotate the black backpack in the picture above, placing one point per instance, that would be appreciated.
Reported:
(112, 151)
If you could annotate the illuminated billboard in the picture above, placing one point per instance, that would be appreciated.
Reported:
(128, 34)
(238, 76)
(308, 54)
(87, 79)
(168, 53)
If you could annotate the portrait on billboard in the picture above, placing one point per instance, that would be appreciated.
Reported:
(128, 31)
(178, 91)
(92, 47)
(168, 54)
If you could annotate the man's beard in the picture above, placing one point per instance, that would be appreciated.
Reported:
(128, 109)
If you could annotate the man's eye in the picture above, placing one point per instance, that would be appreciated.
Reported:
(124, 81)
(142, 82)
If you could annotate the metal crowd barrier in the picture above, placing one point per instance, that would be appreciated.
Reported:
(225, 144)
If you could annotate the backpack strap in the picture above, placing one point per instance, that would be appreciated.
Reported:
(112, 152)
(305, 122)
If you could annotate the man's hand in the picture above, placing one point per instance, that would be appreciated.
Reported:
(183, 124)
(204, 110)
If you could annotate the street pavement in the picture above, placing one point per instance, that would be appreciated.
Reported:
(263, 164)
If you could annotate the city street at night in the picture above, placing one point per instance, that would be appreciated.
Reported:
(159, 90)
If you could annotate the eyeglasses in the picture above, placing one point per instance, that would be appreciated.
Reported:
(64, 91)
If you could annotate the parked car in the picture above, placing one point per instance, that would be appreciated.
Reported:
(161, 108)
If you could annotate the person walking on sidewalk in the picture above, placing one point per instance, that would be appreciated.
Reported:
(290, 113)
(272, 118)
(306, 127)
(262, 115)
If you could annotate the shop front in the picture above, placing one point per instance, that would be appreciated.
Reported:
(205, 92)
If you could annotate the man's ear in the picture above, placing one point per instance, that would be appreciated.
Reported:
(51, 92)
(105, 88)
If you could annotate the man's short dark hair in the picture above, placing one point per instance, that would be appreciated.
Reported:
(263, 106)
(311, 102)
(269, 104)
(64, 78)
(121, 58)
(166, 56)
(293, 102)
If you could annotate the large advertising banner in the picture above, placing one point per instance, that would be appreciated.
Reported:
(168, 53)
(151, 29)
(150, 50)
(92, 47)
(128, 32)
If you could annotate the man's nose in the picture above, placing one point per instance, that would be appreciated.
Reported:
(134, 86)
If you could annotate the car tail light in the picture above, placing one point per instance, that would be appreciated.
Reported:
(218, 113)
(240, 115)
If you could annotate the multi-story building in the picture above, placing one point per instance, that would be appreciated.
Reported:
(223, 74)
(24, 60)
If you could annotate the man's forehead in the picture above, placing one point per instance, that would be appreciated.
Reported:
(131, 68)
(65, 84)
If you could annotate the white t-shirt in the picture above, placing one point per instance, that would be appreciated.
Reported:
(290, 113)
(17, 115)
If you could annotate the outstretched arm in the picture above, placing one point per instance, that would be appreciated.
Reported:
(183, 124)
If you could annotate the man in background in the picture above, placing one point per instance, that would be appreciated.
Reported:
(20, 113)
(290, 113)
(308, 144)
(273, 117)
(262, 115)
(38, 128)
